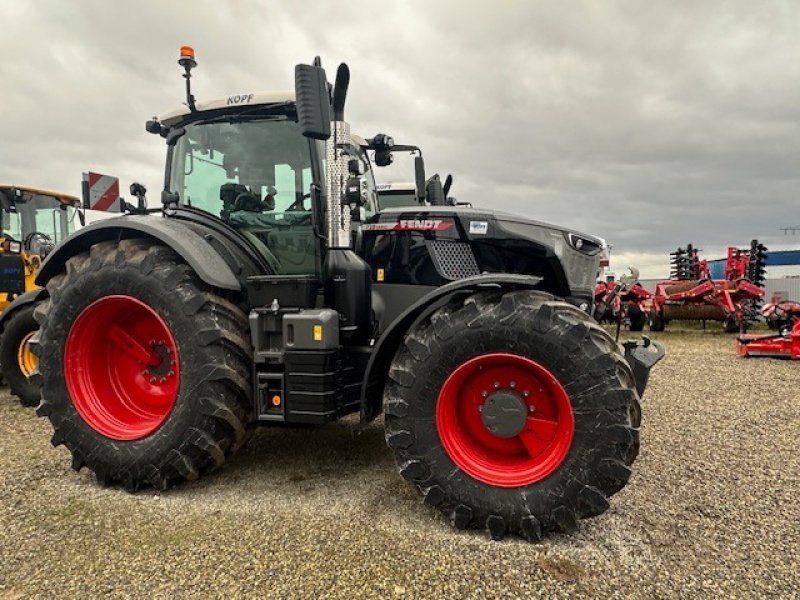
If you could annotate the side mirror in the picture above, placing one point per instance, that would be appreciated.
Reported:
(419, 178)
(313, 103)
(153, 126)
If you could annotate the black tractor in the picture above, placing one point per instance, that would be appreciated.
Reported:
(266, 290)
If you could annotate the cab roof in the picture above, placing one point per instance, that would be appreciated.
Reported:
(60, 196)
(396, 186)
(232, 101)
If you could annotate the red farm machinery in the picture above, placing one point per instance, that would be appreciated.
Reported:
(784, 317)
(622, 301)
(691, 294)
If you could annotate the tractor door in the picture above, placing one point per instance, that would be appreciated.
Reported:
(256, 176)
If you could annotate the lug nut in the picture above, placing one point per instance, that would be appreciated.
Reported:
(162, 380)
(513, 384)
(531, 409)
(526, 393)
(152, 380)
(484, 393)
(496, 384)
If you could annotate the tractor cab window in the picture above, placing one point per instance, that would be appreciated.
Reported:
(371, 204)
(256, 176)
(389, 198)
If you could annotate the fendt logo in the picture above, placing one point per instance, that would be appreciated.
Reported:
(239, 99)
(411, 225)
(424, 225)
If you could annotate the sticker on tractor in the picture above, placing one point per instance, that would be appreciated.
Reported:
(411, 225)
(239, 99)
(478, 227)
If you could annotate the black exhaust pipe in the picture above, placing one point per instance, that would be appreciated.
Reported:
(340, 91)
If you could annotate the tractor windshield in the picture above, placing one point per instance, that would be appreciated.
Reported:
(256, 176)
(392, 198)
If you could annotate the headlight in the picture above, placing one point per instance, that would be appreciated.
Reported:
(583, 244)
(12, 247)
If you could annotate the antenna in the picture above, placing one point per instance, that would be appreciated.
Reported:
(787, 230)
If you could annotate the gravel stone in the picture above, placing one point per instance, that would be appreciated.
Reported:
(711, 511)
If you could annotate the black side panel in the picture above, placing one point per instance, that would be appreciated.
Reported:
(23, 300)
(524, 257)
(217, 261)
(386, 346)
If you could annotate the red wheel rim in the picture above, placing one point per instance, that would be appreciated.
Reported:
(121, 367)
(546, 430)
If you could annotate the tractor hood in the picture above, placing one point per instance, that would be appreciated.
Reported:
(578, 253)
(504, 218)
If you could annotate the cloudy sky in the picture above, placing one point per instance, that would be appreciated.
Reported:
(651, 124)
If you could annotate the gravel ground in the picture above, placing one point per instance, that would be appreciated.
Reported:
(712, 511)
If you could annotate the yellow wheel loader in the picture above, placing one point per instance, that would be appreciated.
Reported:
(32, 222)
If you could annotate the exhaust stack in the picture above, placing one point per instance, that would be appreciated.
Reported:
(339, 235)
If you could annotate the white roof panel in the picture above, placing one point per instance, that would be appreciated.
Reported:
(243, 99)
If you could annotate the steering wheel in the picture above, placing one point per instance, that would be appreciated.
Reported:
(298, 204)
(46, 239)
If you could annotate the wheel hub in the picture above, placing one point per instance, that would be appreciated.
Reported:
(504, 414)
(122, 368)
(504, 419)
(165, 367)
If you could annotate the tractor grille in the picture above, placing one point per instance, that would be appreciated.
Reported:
(453, 260)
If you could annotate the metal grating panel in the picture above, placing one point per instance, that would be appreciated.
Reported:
(453, 260)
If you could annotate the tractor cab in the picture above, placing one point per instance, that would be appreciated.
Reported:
(245, 161)
(32, 223)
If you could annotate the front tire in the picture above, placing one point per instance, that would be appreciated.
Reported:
(17, 361)
(145, 370)
(515, 413)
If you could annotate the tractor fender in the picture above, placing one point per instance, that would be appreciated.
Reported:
(25, 299)
(385, 348)
(206, 261)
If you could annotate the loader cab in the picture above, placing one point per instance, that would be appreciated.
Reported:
(32, 222)
(37, 218)
(252, 168)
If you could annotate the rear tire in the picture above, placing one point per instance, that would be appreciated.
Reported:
(17, 361)
(500, 482)
(135, 436)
